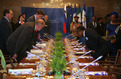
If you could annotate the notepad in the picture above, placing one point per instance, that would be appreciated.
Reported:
(84, 64)
(80, 52)
(23, 64)
(96, 73)
(34, 51)
(20, 71)
(41, 45)
(86, 57)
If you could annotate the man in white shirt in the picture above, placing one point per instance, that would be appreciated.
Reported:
(93, 24)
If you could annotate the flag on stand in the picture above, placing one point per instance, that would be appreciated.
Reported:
(79, 14)
(70, 14)
(74, 12)
(65, 20)
(70, 17)
(84, 17)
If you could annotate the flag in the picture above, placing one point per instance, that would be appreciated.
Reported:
(84, 17)
(74, 12)
(79, 14)
(70, 17)
(71, 14)
(65, 20)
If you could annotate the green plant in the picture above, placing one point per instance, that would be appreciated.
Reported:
(58, 36)
(58, 62)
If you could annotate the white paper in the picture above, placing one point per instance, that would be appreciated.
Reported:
(84, 64)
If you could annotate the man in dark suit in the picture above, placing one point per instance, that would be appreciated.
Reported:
(5, 29)
(21, 40)
(118, 40)
(93, 24)
(39, 14)
(47, 25)
(94, 42)
(101, 27)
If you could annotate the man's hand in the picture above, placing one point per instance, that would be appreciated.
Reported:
(14, 56)
(119, 50)
(45, 25)
(113, 41)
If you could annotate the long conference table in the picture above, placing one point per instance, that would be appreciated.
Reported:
(90, 68)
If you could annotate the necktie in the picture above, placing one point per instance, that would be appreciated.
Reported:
(94, 24)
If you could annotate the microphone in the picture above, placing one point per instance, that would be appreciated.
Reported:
(81, 43)
(38, 48)
(87, 65)
(34, 47)
(49, 35)
(36, 56)
(72, 37)
(42, 40)
(75, 42)
(82, 48)
(79, 56)
(28, 52)
(85, 54)
(68, 36)
(45, 35)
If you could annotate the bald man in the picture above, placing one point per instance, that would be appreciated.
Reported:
(47, 25)
(21, 40)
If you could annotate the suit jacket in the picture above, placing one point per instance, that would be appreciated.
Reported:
(118, 39)
(14, 27)
(95, 42)
(90, 25)
(47, 29)
(31, 19)
(21, 40)
(5, 31)
(101, 29)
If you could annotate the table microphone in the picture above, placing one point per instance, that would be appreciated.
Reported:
(72, 37)
(34, 47)
(45, 35)
(87, 65)
(85, 53)
(79, 56)
(75, 41)
(38, 48)
(36, 56)
(68, 36)
(82, 48)
(50, 35)
(42, 40)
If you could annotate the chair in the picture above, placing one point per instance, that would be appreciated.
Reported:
(3, 66)
(113, 66)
